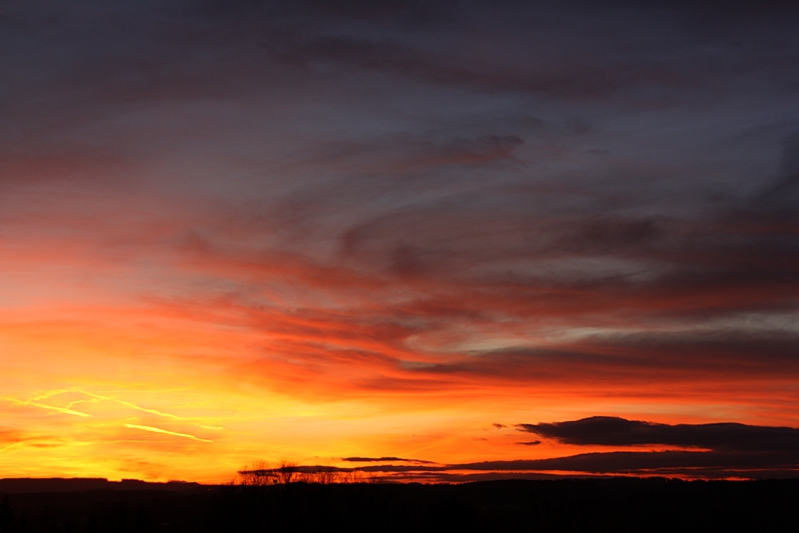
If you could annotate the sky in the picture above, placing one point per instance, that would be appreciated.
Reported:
(439, 241)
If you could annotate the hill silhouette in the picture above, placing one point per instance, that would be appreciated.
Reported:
(612, 505)
(41, 485)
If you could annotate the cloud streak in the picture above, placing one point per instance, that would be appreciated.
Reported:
(615, 431)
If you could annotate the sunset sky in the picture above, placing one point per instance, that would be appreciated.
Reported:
(437, 240)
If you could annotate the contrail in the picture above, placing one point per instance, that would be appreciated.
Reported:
(159, 430)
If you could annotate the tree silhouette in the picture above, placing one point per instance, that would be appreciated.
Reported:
(287, 471)
(257, 474)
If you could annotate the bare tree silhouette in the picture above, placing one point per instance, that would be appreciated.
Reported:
(288, 471)
(256, 474)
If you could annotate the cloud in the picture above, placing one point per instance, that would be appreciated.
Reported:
(10, 436)
(690, 464)
(714, 450)
(698, 464)
(381, 459)
(618, 358)
(614, 431)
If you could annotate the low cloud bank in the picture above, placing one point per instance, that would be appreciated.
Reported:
(709, 451)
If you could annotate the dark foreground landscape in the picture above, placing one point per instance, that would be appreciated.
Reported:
(511, 505)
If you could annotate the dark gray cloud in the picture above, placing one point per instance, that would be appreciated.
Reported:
(381, 459)
(129, 51)
(721, 437)
(712, 464)
(678, 358)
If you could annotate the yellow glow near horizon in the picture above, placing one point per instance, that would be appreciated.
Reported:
(110, 383)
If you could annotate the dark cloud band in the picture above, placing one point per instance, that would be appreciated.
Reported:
(722, 437)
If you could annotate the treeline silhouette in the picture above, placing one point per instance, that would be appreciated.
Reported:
(260, 473)
(612, 505)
